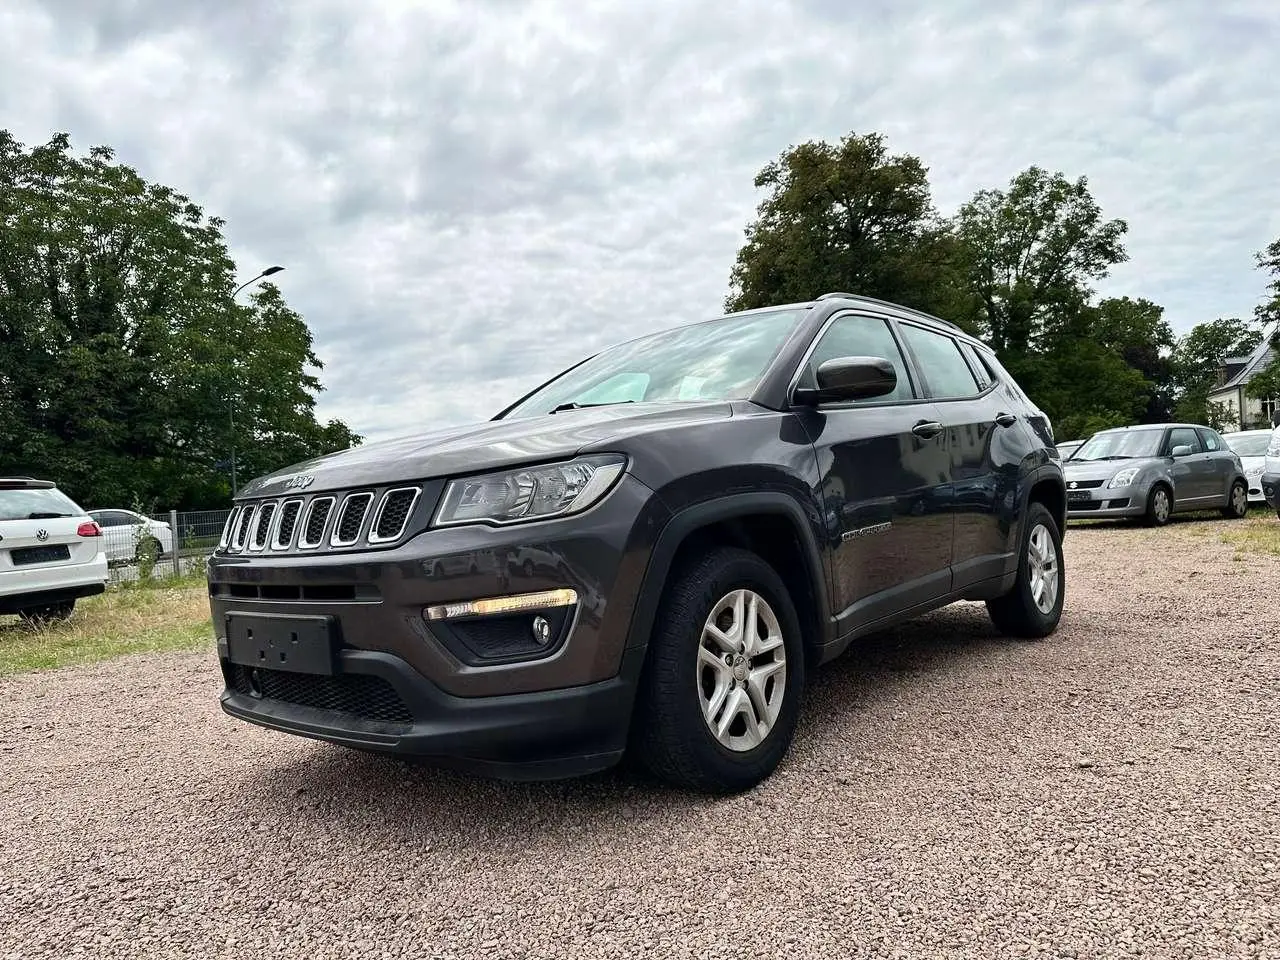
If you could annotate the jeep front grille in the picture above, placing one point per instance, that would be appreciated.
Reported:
(351, 519)
(324, 521)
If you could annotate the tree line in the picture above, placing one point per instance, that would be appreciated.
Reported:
(128, 371)
(1015, 266)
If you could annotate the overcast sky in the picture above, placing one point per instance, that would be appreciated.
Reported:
(468, 196)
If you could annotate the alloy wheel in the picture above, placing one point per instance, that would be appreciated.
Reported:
(742, 670)
(1042, 568)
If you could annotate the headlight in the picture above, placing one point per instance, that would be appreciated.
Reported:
(1124, 477)
(529, 493)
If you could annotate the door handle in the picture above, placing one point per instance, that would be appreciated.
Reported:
(927, 429)
(1006, 419)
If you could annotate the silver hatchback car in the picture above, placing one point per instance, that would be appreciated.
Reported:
(1154, 471)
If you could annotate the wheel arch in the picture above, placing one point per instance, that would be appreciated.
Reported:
(772, 525)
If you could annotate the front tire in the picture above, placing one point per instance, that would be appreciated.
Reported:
(1237, 507)
(720, 695)
(1159, 506)
(1033, 607)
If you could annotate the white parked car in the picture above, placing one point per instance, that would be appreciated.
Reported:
(1251, 447)
(1271, 472)
(50, 551)
(129, 536)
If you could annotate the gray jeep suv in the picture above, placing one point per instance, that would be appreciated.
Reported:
(651, 551)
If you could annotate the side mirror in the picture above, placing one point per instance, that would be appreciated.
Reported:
(850, 378)
(1182, 450)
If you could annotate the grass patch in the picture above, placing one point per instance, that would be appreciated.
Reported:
(133, 618)
(1258, 533)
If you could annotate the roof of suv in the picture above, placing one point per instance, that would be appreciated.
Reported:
(25, 483)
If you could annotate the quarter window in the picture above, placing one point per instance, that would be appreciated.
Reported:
(975, 363)
(861, 337)
(945, 371)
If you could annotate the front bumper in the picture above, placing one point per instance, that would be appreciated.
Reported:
(1271, 489)
(1102, 502)
(533, 736)
(403, 684)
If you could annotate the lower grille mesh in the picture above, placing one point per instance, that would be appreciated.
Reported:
(360, 695)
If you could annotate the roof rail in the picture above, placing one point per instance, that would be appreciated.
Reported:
(889, 303)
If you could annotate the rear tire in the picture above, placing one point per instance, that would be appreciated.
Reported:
(49, 613)
(1159, 506)
(726, 653)
(1033, 607)
(1237, 507)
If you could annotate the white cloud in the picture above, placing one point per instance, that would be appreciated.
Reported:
(470, 195)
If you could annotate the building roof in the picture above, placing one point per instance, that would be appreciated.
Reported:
(1262, 355)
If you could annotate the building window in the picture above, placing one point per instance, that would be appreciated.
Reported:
(1269, 407)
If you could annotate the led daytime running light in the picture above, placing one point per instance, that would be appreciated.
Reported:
(498, 605)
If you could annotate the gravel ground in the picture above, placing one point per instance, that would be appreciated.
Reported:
(1109, 792)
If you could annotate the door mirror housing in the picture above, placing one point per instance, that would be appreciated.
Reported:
(1182, 450)
(849, 378)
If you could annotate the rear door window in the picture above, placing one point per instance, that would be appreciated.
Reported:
(943, 366)
(1210, 440)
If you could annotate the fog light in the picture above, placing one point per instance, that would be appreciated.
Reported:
(500, 605)
(542, 630)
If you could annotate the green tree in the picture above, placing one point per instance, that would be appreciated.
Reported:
(120, 343)
(1032, 251)
(846, 216)
(1135, 329)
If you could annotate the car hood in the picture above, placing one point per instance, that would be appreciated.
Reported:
(477, 448)
(1078, 470)
(1253, 463)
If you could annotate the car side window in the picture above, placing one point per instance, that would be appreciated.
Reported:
(985, 377)
(943, 365)
(856, 336)
(109, 518)
(1211, 441)
(1184, 436)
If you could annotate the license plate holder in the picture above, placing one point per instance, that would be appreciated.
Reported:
(1079, 495)
(280, 642)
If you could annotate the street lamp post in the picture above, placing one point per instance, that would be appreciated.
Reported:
(231, 404)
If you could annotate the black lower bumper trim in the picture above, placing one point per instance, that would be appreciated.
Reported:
(44, 598)
(529, 736)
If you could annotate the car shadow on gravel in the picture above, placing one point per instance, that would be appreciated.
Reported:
(403, 801)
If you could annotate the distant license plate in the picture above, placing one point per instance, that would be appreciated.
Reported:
(1079, 495)
(23, 556)
(279, 642)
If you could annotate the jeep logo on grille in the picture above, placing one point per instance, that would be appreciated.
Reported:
(299, 481)
(42, 535)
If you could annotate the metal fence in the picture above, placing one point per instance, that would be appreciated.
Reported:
(161, 545)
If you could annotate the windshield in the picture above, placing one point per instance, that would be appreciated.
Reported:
(717, 360)
(37, 504)
(1249, 444)
(1125, 445)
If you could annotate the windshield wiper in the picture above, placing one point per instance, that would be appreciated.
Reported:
(47, 516)
(580, 406)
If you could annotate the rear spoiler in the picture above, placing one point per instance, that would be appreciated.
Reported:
(25, 483)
